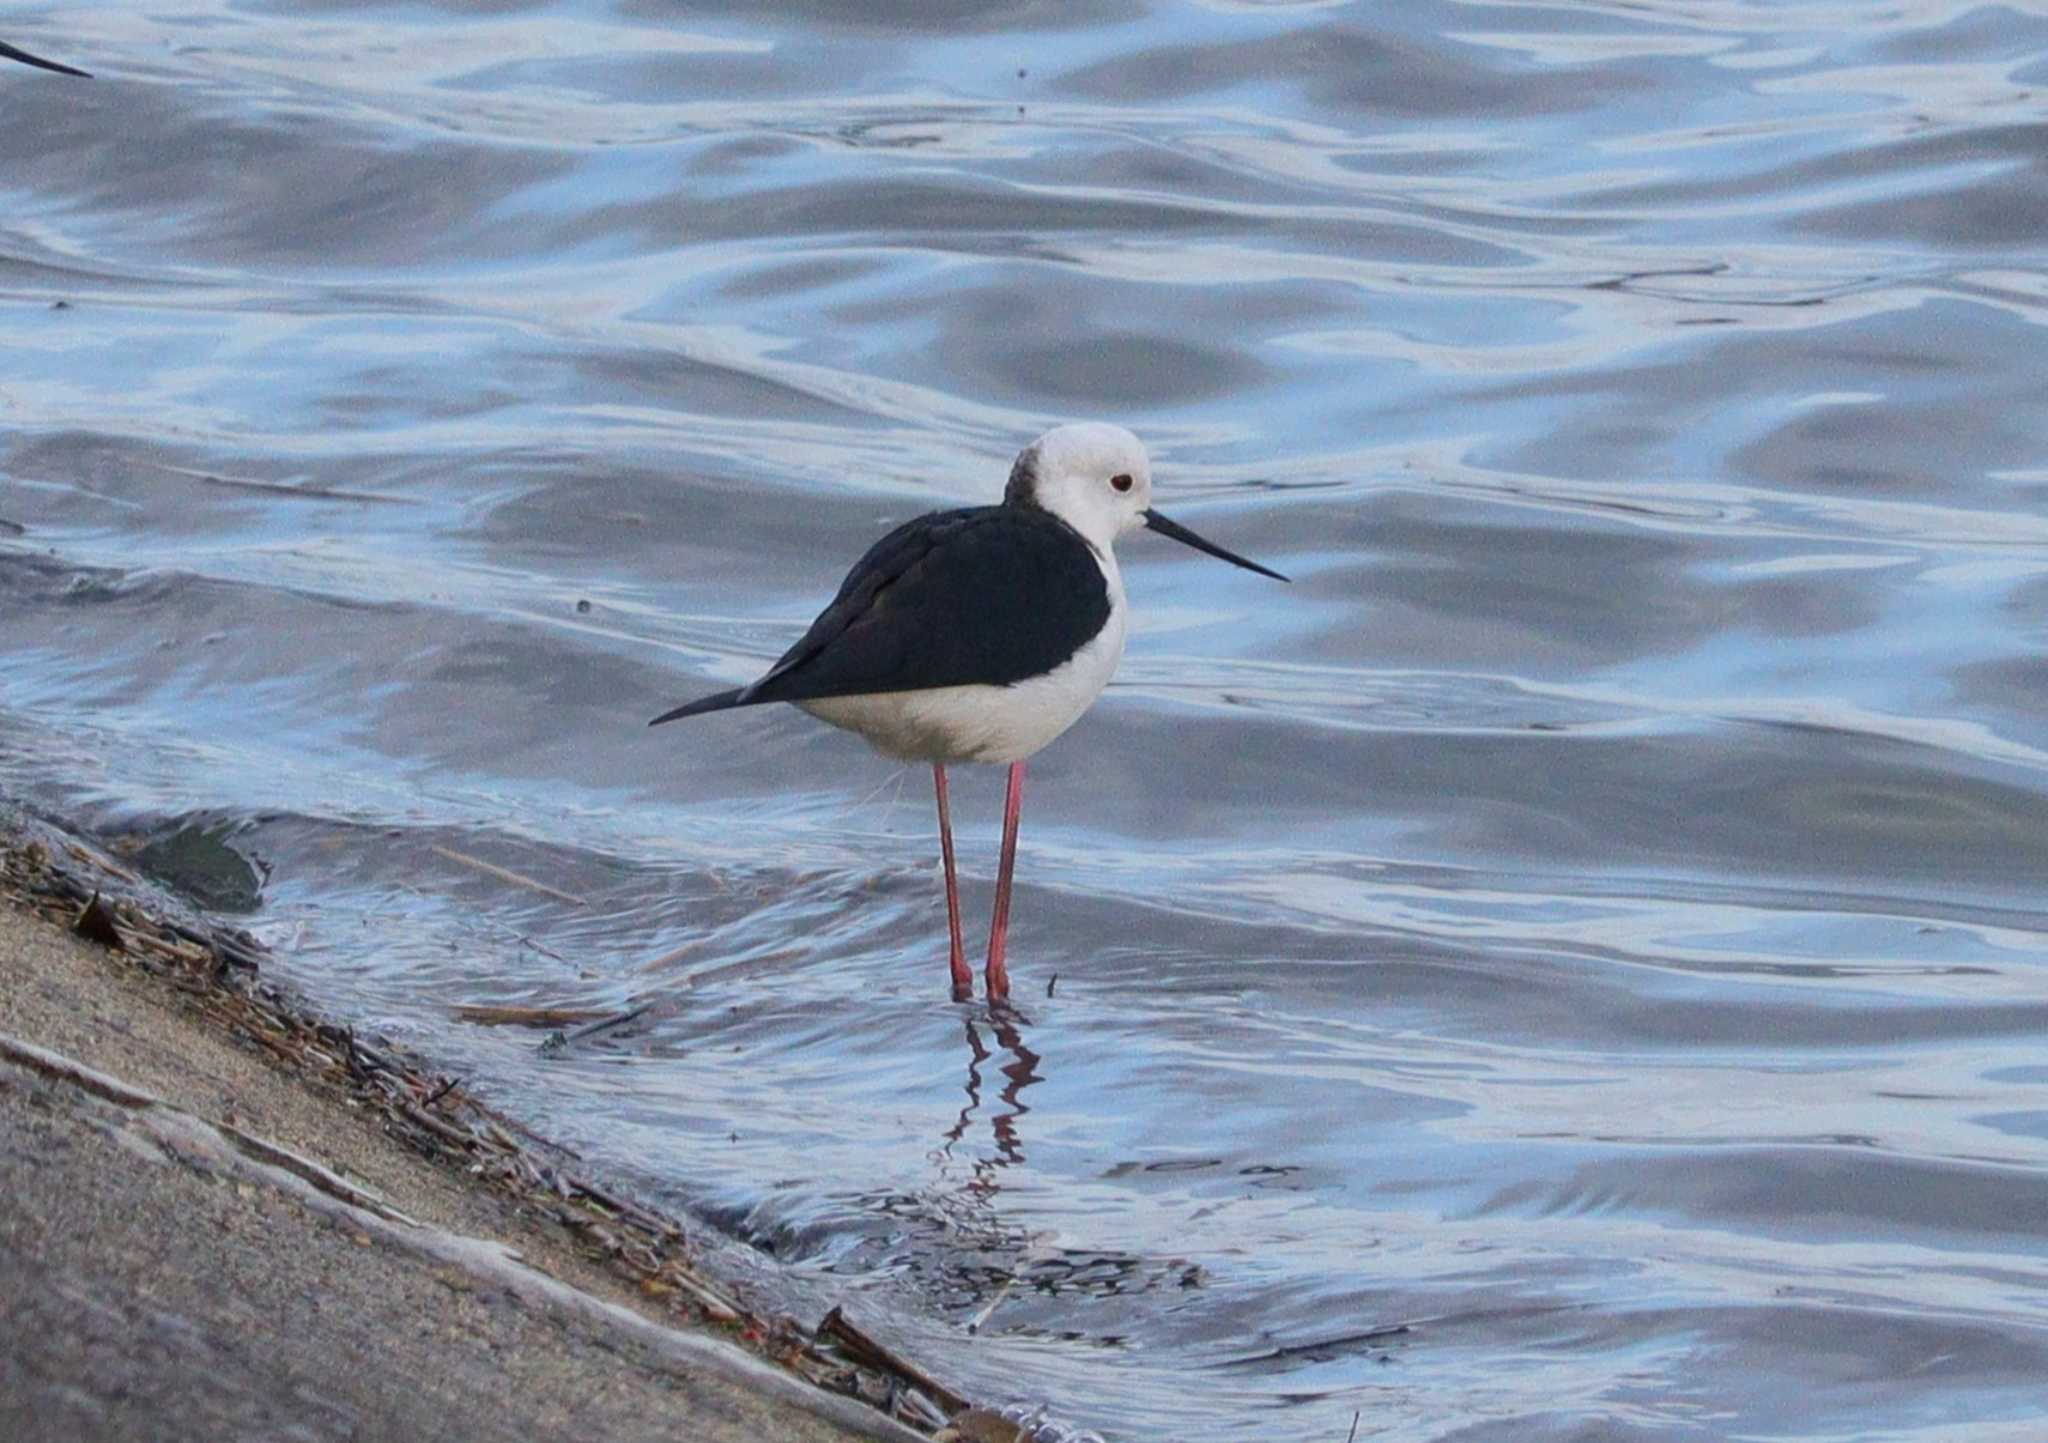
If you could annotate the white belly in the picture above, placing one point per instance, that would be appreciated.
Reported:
(983, 723)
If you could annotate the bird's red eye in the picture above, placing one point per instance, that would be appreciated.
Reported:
(1122, 481)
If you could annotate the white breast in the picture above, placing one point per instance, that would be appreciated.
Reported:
(987, 723)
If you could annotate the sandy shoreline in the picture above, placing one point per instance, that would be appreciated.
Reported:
(219, 1221)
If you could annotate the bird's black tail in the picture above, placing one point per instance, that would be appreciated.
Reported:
(718, 701)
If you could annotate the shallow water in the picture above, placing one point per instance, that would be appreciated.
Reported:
(1593, 918)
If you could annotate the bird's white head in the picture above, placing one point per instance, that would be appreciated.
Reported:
(1098, 479)
(1094, 476)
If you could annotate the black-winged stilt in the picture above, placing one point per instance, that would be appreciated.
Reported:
(11, 53)
(979, 635)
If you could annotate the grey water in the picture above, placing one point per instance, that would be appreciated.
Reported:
(1573, 965)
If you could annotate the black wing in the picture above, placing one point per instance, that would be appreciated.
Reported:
(992, 594)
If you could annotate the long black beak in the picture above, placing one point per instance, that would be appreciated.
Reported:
(1186, 537)
(36, 60)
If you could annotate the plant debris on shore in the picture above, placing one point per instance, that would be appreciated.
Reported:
(219, 972)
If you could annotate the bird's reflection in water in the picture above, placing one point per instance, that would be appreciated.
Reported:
(1018, 1068)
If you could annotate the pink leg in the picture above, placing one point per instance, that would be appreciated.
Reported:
(999, 927)
(963, 980)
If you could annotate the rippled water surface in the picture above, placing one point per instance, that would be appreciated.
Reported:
(1571, 966)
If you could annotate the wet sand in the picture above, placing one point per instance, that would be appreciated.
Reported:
(199, 1243)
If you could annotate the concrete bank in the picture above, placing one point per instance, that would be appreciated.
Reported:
(199, 1238)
